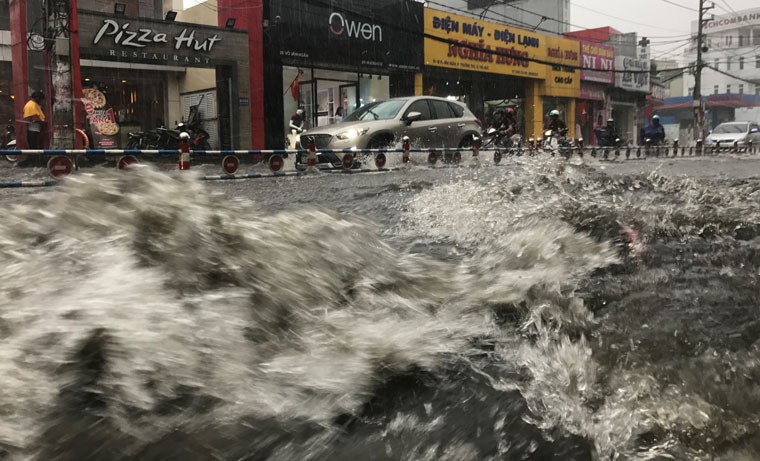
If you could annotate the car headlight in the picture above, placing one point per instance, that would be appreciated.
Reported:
(352, 133)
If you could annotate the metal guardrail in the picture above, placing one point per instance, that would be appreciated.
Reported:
(62, 162)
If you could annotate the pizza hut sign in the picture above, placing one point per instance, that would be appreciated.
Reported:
(136, 38)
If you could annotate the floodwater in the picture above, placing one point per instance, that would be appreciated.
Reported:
(541, 310)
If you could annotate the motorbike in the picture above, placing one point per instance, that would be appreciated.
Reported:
(8, 142)
(498, 139)
(165, 139)
(605, 138)
(558, 142)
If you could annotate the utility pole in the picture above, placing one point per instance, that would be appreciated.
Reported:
(699, 107)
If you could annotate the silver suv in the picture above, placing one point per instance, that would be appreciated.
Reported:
(428, 121)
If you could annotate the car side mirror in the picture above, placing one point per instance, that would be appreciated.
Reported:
(412, 117)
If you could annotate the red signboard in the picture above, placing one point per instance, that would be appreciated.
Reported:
(598, 62)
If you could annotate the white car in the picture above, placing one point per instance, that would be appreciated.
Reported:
(726, 134)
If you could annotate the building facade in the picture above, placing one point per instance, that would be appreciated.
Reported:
(331, 58)
(732, 65)
(488, 65)
(627, 90)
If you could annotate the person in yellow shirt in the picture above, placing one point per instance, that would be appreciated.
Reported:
(35, 121)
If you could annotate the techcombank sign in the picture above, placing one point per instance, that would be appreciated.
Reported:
(743, 18)
(343, 26)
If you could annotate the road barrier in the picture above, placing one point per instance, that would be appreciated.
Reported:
(62, 163)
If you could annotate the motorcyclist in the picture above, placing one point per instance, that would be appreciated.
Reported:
(503, 120)
(607, 135)
(654, 132)
(297, 121)
(556, 125)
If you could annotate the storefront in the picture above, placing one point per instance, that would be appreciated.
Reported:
(592, 112)
(628, 98)
(331, 58)
(483, 64)
(139, 74)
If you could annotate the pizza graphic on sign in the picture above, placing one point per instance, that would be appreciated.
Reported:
(101, 119)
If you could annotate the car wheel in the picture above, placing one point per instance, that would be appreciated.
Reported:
(466, 142)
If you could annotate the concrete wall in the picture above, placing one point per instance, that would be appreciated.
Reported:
(520, 13)
(203, 13)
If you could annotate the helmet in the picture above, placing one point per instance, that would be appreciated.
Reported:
(554, 113)
(655, 117)
(510, 111)
(609, 120)
(299, 111)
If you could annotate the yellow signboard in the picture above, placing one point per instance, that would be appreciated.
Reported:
(459, 42)
(563, 77)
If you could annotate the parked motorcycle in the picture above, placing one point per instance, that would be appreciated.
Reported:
(165, 139)
(8, 141)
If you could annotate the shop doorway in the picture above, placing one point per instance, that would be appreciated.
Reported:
(349, 96)
(224, 107)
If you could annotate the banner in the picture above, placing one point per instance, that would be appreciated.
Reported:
(563, 77)
(597, 61)
(469, 44)
(103, 126)
(632, 72)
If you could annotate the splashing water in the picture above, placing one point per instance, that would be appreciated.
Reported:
(143, 316)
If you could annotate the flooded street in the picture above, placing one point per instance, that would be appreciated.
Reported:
(541, 309)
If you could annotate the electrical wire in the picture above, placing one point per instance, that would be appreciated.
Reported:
(681, 6)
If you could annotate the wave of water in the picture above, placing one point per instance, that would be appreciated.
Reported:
(146, 317)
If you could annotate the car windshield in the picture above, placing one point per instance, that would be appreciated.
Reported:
(731, 128)
(384, 110)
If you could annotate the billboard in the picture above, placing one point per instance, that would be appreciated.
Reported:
(632, 72)
(460, 42)
(382, 34)
(597, 61)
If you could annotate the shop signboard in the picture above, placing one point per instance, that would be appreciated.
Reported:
(597, 61)
(156, 42)
(464, 43)
(563, 75)
(101, 119)
(348, 35)
(632, 72)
